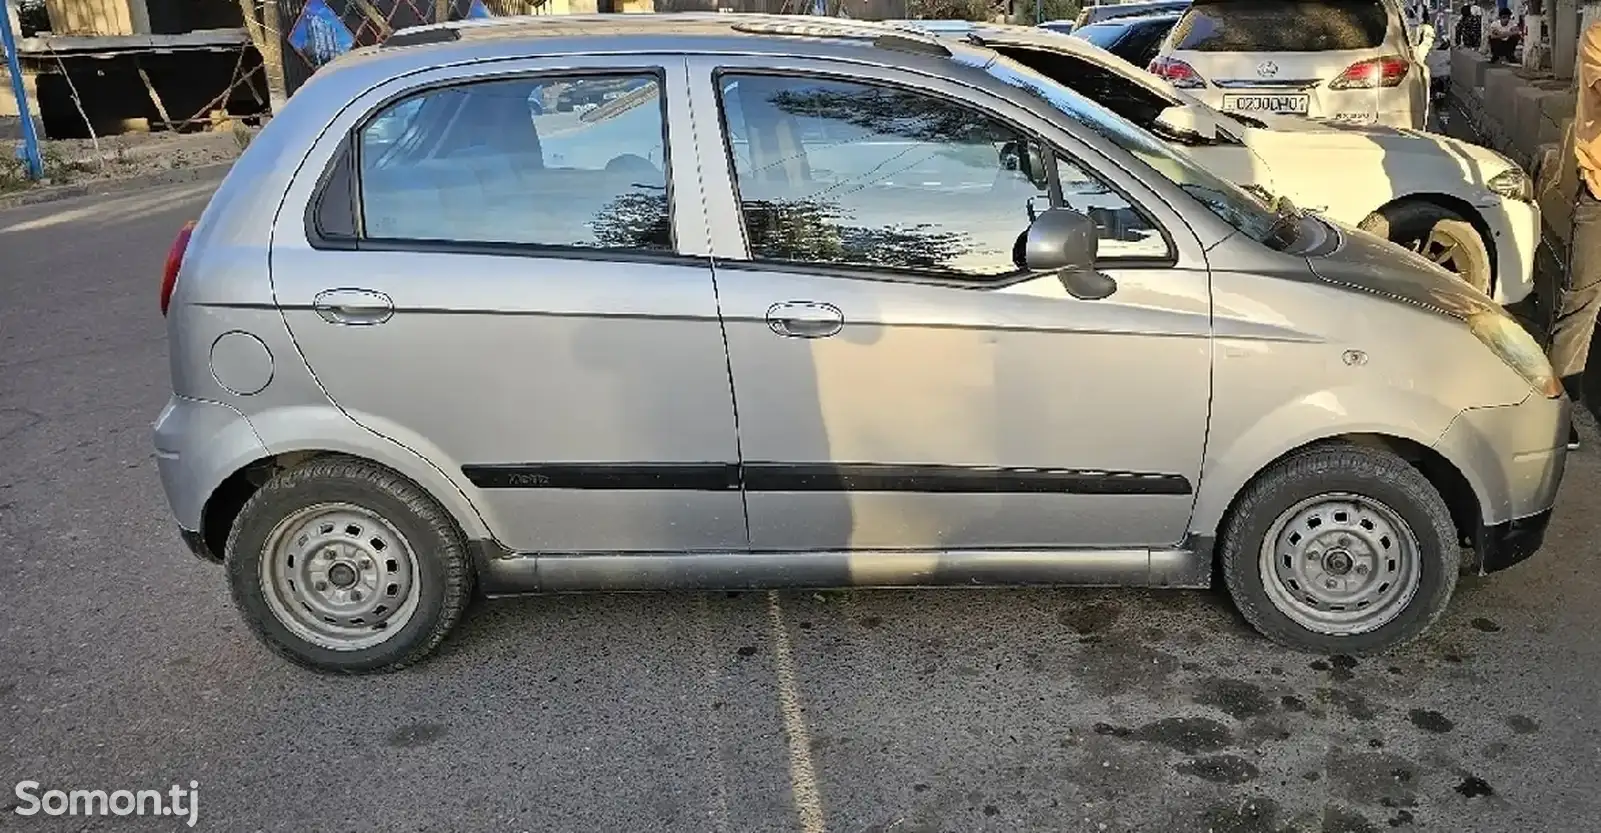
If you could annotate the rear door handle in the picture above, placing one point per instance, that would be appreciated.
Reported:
(353, 306)
(805, 319)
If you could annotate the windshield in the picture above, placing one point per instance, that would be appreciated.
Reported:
(1104, 35)
(1282, 26)
(1223, 198)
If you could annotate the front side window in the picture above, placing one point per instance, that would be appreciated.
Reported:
(1282, 26)
(1221, 197)
(853, 174)
(577, 162)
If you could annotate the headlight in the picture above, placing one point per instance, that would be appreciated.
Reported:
(1507, 339)
(1513, 184)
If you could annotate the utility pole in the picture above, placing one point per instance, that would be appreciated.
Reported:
(30, 137)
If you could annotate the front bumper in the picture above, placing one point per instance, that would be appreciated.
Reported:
(197, 546)
(1515, 231)
(1501, 545)
(1514, 458)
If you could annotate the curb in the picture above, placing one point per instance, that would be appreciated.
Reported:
(52, 193)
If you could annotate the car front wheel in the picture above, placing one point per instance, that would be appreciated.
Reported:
(1437, 233)
(340, 565)
(1340, 549)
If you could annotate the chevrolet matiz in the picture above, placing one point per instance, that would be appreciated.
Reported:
(802, 303)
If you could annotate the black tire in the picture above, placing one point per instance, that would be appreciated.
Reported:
(443, 572)
(1372, 473)
(1410, 224)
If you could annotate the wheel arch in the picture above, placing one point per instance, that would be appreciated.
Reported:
(222, 507)
(1446, 476)
(1458, 205)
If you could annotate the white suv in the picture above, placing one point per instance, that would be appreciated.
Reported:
(1351, 60)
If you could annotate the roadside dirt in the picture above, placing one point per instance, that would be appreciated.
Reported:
(69, 161)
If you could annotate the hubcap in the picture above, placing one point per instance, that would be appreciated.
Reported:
(1340, 564)
(339, 576)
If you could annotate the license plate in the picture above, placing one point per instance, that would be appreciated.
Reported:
(1292, 103)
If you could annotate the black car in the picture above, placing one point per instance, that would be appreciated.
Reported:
(1136, 8)
(1134, 39)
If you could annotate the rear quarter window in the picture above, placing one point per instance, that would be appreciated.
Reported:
(1282, 26)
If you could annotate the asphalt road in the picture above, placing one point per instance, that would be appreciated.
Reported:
(123, 665)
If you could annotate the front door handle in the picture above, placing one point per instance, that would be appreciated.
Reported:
(805, 319)
(353, 306)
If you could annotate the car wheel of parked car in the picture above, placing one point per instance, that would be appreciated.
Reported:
(1437, 233)
(1340, 549)
(341, 565)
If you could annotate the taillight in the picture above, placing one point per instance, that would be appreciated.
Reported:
(1372, 74)
(1177, 73)
(169, 275)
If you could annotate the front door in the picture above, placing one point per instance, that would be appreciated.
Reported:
(518, 303)
(900, 382)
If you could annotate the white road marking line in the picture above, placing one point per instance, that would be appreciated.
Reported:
(802, 778)
(713, 669)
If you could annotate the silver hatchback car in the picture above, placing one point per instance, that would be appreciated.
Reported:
(716, 301)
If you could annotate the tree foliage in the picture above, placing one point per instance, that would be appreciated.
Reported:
(1023, 10)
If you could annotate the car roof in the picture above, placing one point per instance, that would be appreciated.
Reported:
(686, 32)
(1007, 34)
(1001, 35)
(1170, 16)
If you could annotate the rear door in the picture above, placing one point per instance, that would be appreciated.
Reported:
(506, 271)
(1346, 59)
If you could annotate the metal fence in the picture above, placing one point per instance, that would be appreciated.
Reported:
(313, 32)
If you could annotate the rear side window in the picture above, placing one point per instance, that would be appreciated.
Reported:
(576, 162)
(1282, 26)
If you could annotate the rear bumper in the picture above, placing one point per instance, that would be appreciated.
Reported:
(198, 445)
(1390, 110)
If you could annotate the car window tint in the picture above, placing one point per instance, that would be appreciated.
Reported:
(1142, 47)
(578, 162)
(877, 176)
(1282, 26)
(738, 136)
(1125, 232)
(1116, 92)
(1104, 35)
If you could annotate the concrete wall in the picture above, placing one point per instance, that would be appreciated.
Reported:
(1525, 116)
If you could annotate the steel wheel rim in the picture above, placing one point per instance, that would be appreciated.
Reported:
(339, 576)
(1340, 564)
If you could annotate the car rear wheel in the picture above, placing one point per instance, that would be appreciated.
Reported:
(340, 565)
(1437, 233)
(1340, 549)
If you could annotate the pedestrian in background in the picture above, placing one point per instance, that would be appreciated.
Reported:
(1581, 291)
(1504, 37)
(1468, 29)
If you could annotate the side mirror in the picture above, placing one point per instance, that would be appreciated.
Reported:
(1183, 120)
(1065, 242)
